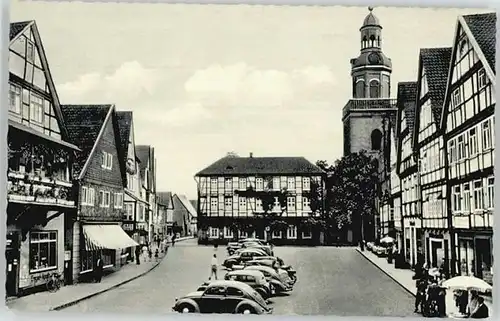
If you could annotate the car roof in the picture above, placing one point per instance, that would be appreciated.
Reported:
(246, 272)
(236, 284)
(261, 268)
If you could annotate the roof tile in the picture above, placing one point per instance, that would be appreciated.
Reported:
(17, 27)
(407, 99)
(483, 27)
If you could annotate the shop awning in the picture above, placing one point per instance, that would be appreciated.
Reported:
(113, 237)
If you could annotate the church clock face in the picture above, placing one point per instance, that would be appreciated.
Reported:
(374, 58)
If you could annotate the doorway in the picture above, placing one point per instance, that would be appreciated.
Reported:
(12, 261)
(483, 257)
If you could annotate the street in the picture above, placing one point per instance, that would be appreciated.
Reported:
(331, 281)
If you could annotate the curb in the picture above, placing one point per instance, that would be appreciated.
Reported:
(67, 305)
(385, 272)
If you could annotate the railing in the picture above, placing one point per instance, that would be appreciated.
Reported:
(366, 104)
(29, 188)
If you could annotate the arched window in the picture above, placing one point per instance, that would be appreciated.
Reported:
(374, 89)
(365, 40)
(360, 89)
(372, 41)
(376, 139)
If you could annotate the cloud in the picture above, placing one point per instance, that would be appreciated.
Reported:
(245, 86)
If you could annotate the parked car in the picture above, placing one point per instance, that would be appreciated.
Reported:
(257, 245)
(280, 282)
(255, 279)
(273, 262)
(223, 297)
(242, 256)
(233, 246)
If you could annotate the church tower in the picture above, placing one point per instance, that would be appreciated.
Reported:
(366, 116)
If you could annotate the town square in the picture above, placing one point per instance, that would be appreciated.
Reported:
(168, 166)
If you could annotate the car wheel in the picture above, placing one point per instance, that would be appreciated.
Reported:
(247, 310)
(186, 308)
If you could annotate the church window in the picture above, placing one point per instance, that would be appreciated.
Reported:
(376, 139)
(364, 44)
(372, 41)
(374, 89)
(360, 88)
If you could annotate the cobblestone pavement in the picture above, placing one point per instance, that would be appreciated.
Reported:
(331, 280)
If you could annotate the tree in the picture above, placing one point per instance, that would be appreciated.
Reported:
(351, 191)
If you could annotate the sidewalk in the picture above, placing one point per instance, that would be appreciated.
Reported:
(73, 294)
(404, 278)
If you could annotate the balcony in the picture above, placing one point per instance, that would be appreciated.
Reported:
(382, 104)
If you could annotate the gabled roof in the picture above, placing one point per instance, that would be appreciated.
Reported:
(480, 30)
(187, 205)
(436, 63)
(231, 165)
(406, 101)
(165, 199)
(125, 127)
(17, 28)
(85, 124)
(484, 27)
(143, 154)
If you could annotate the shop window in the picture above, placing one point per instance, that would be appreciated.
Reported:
(43, 251)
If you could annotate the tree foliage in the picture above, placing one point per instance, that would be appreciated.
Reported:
(350, 189)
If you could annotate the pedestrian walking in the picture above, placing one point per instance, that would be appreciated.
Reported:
(98, 269)
(157, 254)
(150, 254)
(145, 252)
(213, 270)
(138, 255)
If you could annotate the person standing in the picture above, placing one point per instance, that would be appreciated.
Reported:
(421, 285)
(214, 265)
(138, 255)
(481, 311)
(98, 269)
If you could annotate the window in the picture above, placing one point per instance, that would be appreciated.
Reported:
(258, 205)
(107, 160)
(129, 211)
(259, 182)
(374, 89)
(290, 203)
(457, 199)
(213, 203)
(228, 233)
(30, 52)
(213, 184)
(453, 151)
(228, 184)
(118, 200)
(228, 204)
(376, 139)
(456, 98)
(291, 232)
(276, 234)
(486, 130)
(306, 203)
(360, 89)
(291, 183)
(88, 196)
(276, 183)
(215, 290)
(234, 292)
(36, 109)
(243, 234)
(467, 197)
(242, 203)
(478, 195)
(473, 148)
(43, 251)
(481, 78)
(15, 99)
(306, 183)
(491, 193)
(461, 147)
(306, 234)
(142, 213)
(105, 198)
(243, 183)
(214, 232)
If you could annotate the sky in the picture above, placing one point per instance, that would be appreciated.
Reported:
(205, 80)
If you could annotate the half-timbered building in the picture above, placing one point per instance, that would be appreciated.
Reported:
(148, 211)
(97, 230)
(468, 122)
(395, 182)
(39, 175)
(429, 146)
(408, 173)
(271, 198)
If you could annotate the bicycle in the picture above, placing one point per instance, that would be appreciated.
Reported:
(54, 282)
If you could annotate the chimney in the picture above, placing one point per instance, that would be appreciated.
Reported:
(251, 155)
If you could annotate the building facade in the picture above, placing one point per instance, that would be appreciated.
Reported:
(408, 173)
(428, 145)
(148, 191)
(97, 230)
(272, 198)
(468, 123)
(166, 211)
(132, 202)
(39, 175)
(184, 215)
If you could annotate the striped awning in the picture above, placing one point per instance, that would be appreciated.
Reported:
(113, 237)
